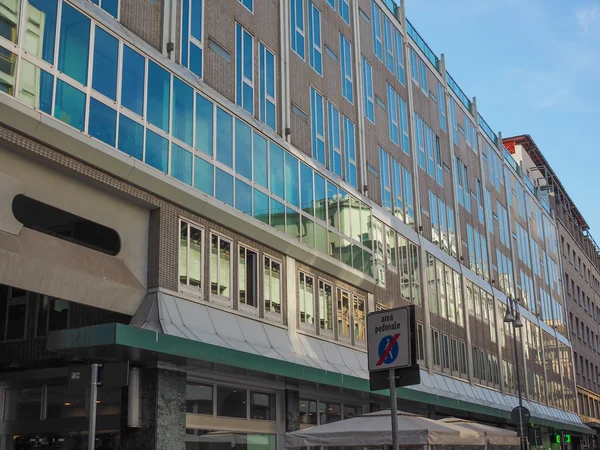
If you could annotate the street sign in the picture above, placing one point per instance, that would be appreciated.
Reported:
(403, 377)
(389, 339)
(524, 416)
(111, 374)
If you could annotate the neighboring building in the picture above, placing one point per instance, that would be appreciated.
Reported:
(220, 191)
(581, 281)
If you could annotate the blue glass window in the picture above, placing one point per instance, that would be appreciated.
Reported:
(368, 90)
(297, 26)
(414, 66)
(159, 96)
(261, 206)
(442, 107)
(315, 49)
(346, 68)
(224, 187)
(42, 45)
(110, 6)
(244, 69)
(393, 115)
(106, 62)
(204, 124)
(420, 141)
(157, 151)
(183, 111)
(74, 44)
(292, 189)
(377, 32)
(191, 35)
(397, 184)
(331, 3)
(389, 46)
(277, 215)
(344, 10)
(243, 149)
(386, 187)
(103, 122)
(132, 81)
(408, 197)
(276, 169)
(317, 126)
(454, 121)
(224, 137)
(399, 47)
(248, 4)
(306, 189)
(429, 139)
(320, 198)
(204, 177)
(69, 105)
(243, 197)
(404, 122)
(181, 164)
(268, 113)
(423, 71)
(261, 162)
(131, 137)
(335, 145)
(350, 151)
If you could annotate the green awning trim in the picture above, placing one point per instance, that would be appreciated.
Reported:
(131, 337)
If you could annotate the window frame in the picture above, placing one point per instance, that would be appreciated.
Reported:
(313, 47)
(217, 298)
(346, 71)
(268, 313)
(190, 39)
(263, 95)
(369, 100)
(324, 331)
(11, 301)
(243, 306)
(296, 31)
(304, 325)
(187, 287)
(315, 135)
(240, 55)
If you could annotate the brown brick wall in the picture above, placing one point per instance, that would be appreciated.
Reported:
(144, 18)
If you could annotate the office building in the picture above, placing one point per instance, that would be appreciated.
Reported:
(219, 192)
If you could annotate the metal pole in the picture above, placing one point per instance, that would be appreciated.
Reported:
(394, 409)
(93, 399)
(521, 429)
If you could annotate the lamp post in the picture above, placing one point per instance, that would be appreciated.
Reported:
(513, 316)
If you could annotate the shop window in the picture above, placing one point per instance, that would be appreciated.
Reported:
(329, 412)
(343, 313)
(325, 308)
(248, 277)
(13, 313)
(231, 402)
(308, 412)
(262, 406)
(52, 315)
(61, 224)
(358, 319)
(22, 404)
(220, 440)
(199, 399)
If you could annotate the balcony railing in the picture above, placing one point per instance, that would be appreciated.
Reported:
(529, 184)
(423, 45)
(511, 161)
(486, 128)
(391, 5)
(458, 91)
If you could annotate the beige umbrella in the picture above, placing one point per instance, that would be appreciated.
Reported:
(375, 430)
(492, 435)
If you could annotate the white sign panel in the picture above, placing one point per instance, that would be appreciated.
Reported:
(389, 339)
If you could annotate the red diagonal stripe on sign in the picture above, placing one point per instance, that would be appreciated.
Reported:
(388, 349)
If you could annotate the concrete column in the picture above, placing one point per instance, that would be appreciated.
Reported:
(163, 412)
(292, 410)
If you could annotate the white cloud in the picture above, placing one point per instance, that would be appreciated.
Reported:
(588, 18)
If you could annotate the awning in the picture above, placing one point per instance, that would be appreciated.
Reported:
(492, 435)
(175, 327)
(37, 263)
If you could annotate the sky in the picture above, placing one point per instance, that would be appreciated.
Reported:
(534, 67)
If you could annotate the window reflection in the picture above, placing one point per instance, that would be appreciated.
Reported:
(199, 399)
(103, 122)
(203, 176)
(157, 151)
(131, 137)
(181, 164)
(183, 111)
(204, 125)
(243, 197)
(70, 105)
(343, 313)
(41, 29)
(308, 412)
(231, 402)
(261, 206)
(224, 138)
(243, 149)
(159, 96)
(106, 57)
(260, 160)
(262, 406)
(276, 169)
(9, 19)
(74, 44)
(35, 86)
(224, 187)
(132, 80)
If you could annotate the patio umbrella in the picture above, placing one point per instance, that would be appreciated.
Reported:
(375, 430)
(492, 435)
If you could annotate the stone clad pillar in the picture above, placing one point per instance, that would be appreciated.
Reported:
(162, 409)
(292, 410)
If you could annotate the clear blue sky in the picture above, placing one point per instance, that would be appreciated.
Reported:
(534, 66)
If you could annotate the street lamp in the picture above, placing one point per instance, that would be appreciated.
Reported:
(513, 316)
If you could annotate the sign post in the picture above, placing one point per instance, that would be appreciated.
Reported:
(392, 350)
(93, 397)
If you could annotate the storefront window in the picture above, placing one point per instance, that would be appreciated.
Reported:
(262, 406)
(199, 399)
(22, 404)
(226, 440)
(330, 412)
(308, 412)
(231, 402)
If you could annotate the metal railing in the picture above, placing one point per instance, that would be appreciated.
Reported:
(422, 45)
(391, 5)
(486, 128)
(458, 91)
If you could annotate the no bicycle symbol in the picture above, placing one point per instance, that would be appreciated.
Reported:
(388, 349)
